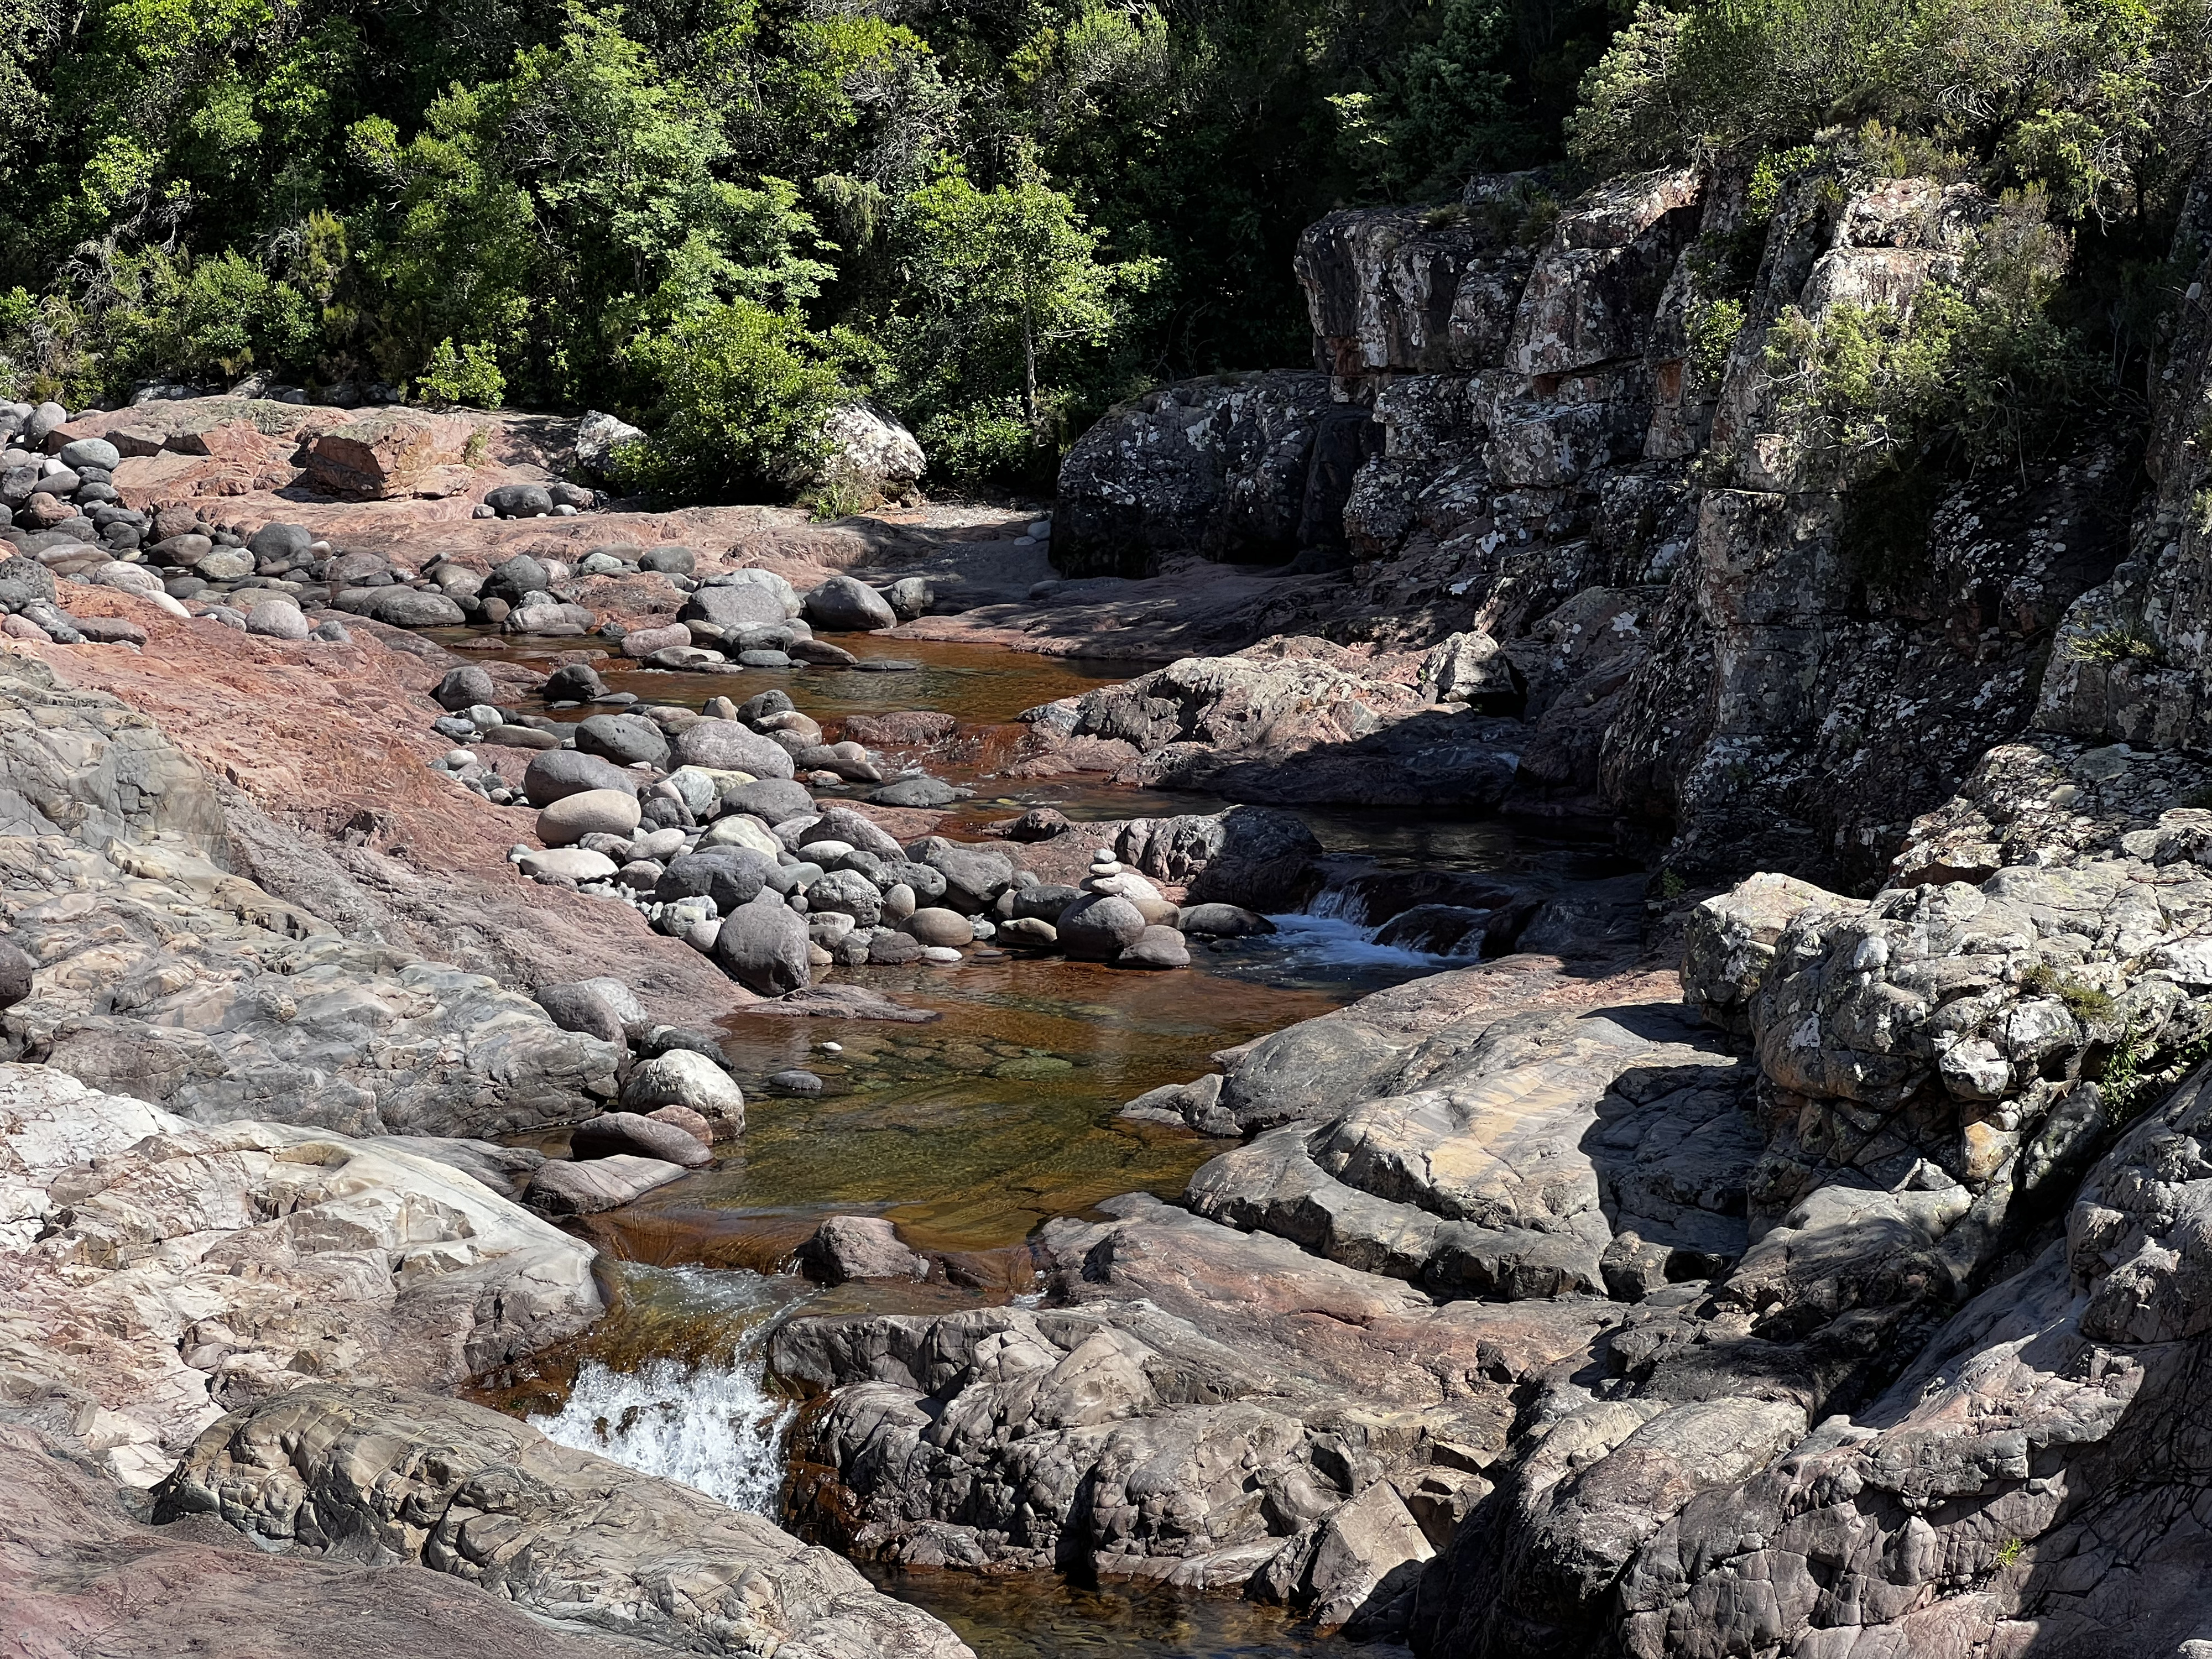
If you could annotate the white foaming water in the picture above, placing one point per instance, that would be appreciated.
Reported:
(1326, 936)
(713, 1426)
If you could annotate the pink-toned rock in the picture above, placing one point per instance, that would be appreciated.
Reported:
(644, 641)
(385, 453)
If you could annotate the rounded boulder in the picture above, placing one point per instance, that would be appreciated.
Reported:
(588, 812)
(1099, 927)
(731, 746)
(559, 773)
(845, 604)
(763, 946)
(625, 739)
(690, 1082)
(937, 926)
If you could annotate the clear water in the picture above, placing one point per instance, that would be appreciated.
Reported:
(968, 1132)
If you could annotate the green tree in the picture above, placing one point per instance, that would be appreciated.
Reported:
(1013, 270)
(744, 392)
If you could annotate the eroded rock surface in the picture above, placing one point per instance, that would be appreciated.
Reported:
(464, 1490)
(160, 1273)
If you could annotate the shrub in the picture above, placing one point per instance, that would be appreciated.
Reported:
(470, 375)
(984, 440)
(745, 392)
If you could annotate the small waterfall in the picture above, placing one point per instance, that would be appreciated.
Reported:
(1337, 926)
(713, 1425)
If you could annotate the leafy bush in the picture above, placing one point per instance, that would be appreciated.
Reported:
(1977, 367)
(2092, 102)
(985, 441)
(745, 392)
(470, 375)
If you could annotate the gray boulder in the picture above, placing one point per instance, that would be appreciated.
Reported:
(973, 876)
(466, 687)
(921, 792)
(402, 607)
(276, 544)
(741, 607)
(772, 800)
(519, 501)
(686, 1080)
(91, 452)
(1100, 926)
(731, 746)
(574, 682)
(560, 772)
(612, 1134)
(731, 876)
(763, 946)
(625, 739)
(603, 1008)
(846, 1248)
(846, 605)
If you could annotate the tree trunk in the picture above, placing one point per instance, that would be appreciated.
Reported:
(1029, 370)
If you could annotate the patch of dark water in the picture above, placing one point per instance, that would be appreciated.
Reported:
(1039, 1618)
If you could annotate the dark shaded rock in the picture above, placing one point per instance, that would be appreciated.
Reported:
(519, 500)
(611, 1134)
(846, 605)
(1222, 467)
(1038, 823)
(466, 687)
(559, 773)
(16, 968)
(763, 946)
(973, 876)
(1099, 927)
(731, 876)
(1223, 922)
(574, 682)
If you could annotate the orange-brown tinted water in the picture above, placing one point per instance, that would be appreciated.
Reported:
(971, 1130)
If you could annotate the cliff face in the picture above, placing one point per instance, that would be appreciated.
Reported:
(1544, 441)
(1914, 1365)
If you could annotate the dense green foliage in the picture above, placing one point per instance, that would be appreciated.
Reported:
(1014, 211)
(720, 217)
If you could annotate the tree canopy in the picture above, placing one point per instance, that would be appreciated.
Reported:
(997, 215)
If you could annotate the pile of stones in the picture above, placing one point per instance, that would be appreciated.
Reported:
(530, 500)
(706, 823)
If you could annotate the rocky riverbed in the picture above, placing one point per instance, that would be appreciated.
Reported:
(1555, 1070)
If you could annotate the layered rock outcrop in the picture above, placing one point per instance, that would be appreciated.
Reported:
(1583, 469)
(160, 1274)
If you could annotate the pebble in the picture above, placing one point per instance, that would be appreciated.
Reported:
(943, 955)
(796, 1082)
(831, 1048)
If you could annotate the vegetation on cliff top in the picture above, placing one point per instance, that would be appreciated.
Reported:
(714, 215)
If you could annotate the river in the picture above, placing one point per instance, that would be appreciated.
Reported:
(968, 1132)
